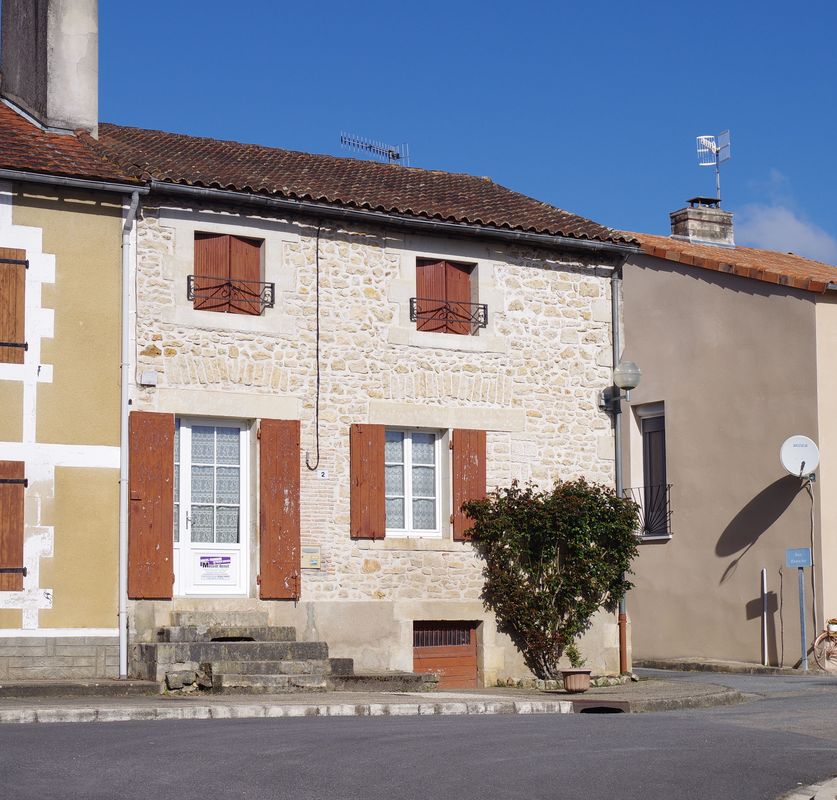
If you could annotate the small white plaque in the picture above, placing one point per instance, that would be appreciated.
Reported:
(322, 474)
(309, 557)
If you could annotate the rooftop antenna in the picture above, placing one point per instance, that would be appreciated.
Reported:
(388, 153)
(713, 152)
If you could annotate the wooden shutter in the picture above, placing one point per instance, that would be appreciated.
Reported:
(12, 304)
(151, 505)
(245, 275)
(11, 523)
(279, 510)
(468, 477)
(212, 272)
(458, 295)
(430, 295)
(368, 509)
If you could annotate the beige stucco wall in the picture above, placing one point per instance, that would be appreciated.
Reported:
(531, 379)
(735, 363)
(61, 407)
(826, 316)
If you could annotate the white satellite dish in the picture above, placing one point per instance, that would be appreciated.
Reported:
(799, 456)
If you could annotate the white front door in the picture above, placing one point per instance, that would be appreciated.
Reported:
(210, 508)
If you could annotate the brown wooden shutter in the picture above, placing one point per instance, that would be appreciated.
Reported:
(468, 476)
(12, 304)
(245, 275)
(151, 505)
(458, 295)
(11, 523)
(368, 509)
(212, 272)
(430, 295)
(279, 510)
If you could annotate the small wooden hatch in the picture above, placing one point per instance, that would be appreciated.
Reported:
(448, 649)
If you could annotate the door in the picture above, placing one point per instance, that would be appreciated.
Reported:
(211, 554)
(448, 649)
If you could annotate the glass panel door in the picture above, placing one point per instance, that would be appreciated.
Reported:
(211, 527)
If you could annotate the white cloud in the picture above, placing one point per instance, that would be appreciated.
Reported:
(777, 227)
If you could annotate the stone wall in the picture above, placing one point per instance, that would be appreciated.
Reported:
(58, 657)
(530, 379)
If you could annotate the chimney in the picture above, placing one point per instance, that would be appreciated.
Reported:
(50, 61)
(703, 222)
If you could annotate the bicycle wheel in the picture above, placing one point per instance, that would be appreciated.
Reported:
(825, 652)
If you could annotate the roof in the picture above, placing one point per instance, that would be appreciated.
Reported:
(348, 182)
(28, 147)
(768, 266)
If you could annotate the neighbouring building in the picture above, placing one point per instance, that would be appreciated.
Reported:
(326, 357)
(735, 346)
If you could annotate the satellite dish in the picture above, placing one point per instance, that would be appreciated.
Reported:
(799, 456)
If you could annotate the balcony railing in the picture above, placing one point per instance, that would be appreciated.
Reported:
(654, 509)
(448, 317)
(244, 297)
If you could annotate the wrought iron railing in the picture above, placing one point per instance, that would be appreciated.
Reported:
(450, 317)
(249, 297)
(654, 509)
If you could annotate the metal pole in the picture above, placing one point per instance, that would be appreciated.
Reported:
(764, 617)
(617, 453)
(803, 632)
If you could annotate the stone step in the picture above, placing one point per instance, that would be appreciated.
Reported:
(239, 651)
(384, 682)
(195, 633)
(267, 684)
(206, 619)
(309, 667)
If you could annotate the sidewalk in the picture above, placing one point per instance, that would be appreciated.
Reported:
(111, 704)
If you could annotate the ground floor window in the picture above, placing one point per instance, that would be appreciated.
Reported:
(210, 507)
(411, 484)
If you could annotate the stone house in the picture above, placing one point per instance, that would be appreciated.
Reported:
(322, 358)
(735, 345)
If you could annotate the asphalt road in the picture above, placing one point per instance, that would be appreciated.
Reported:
(759, 749)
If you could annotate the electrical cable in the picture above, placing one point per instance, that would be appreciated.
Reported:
(317, 395)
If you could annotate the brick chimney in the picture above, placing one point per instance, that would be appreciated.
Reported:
(50, 61)
(703, 222)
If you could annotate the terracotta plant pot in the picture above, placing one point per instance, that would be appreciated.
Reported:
(576, 680)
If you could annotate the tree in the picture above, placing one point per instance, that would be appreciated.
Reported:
(552, 559)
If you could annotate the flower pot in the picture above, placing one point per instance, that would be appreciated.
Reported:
(576, 680)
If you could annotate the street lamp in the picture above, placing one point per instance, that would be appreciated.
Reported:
(626, 375)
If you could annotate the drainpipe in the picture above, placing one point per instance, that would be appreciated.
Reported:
(125, 364)
(615, 312)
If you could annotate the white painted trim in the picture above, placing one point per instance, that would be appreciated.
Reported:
(54, 633)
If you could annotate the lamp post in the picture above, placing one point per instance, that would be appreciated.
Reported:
(626, 375)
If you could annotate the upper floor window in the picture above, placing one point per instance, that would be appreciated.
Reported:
(654, 496)
(228, 275)
(444, 301)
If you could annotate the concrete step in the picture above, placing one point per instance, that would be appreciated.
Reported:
(207, 619)
(195, 633)
(310, 667)
(267, 684)
(200, 652)
(383, 682)
(86, 688)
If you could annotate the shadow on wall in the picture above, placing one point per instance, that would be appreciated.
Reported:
(754, 519)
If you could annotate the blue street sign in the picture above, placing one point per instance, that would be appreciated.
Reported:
(798, 557)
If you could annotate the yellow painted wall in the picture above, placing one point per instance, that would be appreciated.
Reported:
(83, 570)
(11, 618)
(81, 405)
(11, 411)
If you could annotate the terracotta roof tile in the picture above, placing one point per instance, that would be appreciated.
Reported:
(350, 182)
(25, 146)
(768, 266)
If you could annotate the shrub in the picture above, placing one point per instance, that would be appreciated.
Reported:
(552, 559)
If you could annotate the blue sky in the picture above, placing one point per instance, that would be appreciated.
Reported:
(593, 107)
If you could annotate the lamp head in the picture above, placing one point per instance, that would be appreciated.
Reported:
(626, 375)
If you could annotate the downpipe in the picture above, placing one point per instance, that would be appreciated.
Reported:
(125, 364)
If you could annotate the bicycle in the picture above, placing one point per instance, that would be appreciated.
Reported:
(825, 647)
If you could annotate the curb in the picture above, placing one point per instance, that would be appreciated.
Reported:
(274, 710)
(730, 667)
(825, 790)
(729, 697)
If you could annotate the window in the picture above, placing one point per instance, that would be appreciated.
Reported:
(13, 266)
(655, 495)
(443, 301)
(228, 275)
(411, 483)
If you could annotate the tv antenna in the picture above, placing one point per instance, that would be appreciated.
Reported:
(712, 152)
(388, 153)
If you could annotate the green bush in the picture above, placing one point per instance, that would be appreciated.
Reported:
(552, 559)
